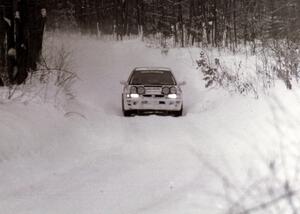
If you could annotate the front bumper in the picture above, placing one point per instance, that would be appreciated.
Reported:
(152, 103)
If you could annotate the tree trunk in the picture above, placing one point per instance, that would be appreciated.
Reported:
(21, 37)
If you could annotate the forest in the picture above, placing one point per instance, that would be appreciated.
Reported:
(215, 22)
(218, 23)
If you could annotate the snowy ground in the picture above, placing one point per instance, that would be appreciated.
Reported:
(93, 160)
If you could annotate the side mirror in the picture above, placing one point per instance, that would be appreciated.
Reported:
(182, 83)
(123, 82)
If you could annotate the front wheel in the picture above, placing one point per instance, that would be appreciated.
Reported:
(126, 113)
(178, 113)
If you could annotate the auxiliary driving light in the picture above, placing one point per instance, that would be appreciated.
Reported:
(133, 90)
(141, 90)
(165, 90)
(173, 90)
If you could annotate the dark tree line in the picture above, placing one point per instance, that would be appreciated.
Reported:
(222, 23)
(217, 22)
(21, 35)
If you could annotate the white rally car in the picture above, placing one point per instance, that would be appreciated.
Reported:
(153, 90)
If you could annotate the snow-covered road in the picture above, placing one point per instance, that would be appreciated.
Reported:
(105, 163)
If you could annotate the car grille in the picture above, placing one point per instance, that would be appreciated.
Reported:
(153, 90)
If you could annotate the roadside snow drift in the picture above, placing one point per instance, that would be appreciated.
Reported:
(88, 158)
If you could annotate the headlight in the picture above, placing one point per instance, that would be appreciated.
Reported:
(172, 96)
(133, 90)
(134, 95)
(141, 90)
(173, 90)
(165, 90)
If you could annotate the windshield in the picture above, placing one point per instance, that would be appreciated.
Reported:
(152, 78)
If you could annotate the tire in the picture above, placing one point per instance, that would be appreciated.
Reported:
(178, 113)
(126, 113)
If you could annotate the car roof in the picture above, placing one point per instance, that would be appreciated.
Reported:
(152, 68)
